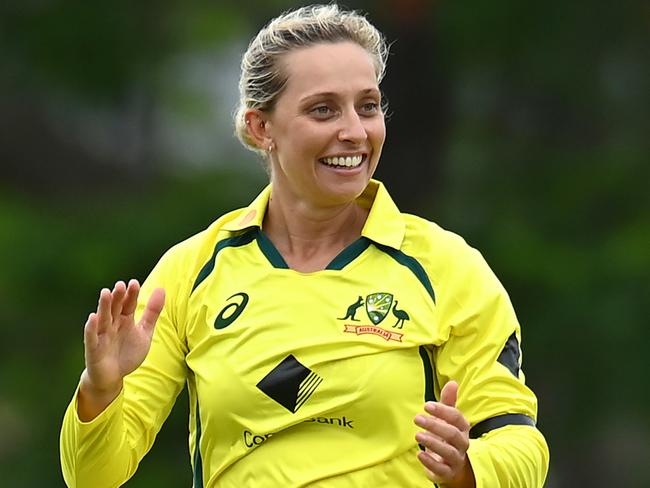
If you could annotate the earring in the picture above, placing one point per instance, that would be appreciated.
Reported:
(271, 147)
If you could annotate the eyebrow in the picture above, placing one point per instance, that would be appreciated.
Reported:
(367, 91)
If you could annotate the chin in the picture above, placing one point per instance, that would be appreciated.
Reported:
(346, 193)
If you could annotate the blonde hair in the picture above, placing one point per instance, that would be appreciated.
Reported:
(262, 80)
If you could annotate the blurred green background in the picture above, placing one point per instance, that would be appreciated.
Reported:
(523, 126)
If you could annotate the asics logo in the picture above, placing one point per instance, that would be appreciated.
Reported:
(230, 312)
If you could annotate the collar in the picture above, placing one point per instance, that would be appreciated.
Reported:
(385, 224)
(251, 216)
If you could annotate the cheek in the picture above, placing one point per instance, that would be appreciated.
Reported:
(377, 134)
(312, 141)
(377, 128)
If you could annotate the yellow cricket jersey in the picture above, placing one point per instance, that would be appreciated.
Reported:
(313, 379)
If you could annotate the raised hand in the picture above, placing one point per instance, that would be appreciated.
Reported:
(114, 344)
(446, 440)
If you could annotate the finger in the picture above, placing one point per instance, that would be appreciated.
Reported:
(153, 309)
(90, 333)
(119, 290)
(444, 431)
(131, 299)
(445, 452)
(432, 476)
(449, 394)
(104, 318)
(438, 471)
(451, 415)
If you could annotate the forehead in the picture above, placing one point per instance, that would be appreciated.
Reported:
(328, 67)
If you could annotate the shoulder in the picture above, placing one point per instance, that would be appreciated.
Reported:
(427, 240)
(449, 261)
(188, 256)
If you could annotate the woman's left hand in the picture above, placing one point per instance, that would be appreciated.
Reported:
(446, 440)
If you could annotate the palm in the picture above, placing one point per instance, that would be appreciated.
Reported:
(114, 344)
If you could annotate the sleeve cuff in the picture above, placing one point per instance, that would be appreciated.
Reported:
(106, 415)
(514, 452)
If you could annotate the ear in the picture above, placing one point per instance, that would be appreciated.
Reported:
(258, 128)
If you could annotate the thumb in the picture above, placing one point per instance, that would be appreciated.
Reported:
(449, 394)
(154, 307)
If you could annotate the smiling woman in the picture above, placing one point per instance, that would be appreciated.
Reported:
(280, 317)
(325, 134)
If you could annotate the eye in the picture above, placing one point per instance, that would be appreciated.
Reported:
(370, 108)
(321, 111)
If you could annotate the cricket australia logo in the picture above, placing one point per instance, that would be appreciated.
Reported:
(290, 383)
(378, 306)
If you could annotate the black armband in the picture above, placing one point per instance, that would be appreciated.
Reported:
(500, 421)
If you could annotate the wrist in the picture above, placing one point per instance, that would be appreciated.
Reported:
(465, 478)
(92, 388)
(93, 400)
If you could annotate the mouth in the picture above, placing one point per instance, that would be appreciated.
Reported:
(344, 161)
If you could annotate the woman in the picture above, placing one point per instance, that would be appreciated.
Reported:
(312, 326)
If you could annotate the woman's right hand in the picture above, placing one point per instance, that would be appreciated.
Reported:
(114, 344)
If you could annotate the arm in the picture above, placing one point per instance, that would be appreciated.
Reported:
(446, 439)
(121, 401)
(114, 345)
(497, 437)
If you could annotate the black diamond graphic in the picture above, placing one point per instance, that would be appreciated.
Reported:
(290, 383)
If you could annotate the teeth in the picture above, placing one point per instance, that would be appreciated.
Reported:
(349, 161)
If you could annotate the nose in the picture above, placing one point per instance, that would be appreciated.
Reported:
(352, 128)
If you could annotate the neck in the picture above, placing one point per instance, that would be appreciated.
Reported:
(310, 237)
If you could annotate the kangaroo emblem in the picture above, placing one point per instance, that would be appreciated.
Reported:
(401, 316)
(352, 310)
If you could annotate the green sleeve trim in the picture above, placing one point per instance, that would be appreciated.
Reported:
(427, 364)
(235, 241)
(412, 264)
(198, 462)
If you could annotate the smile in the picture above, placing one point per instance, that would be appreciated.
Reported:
(344, 161)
